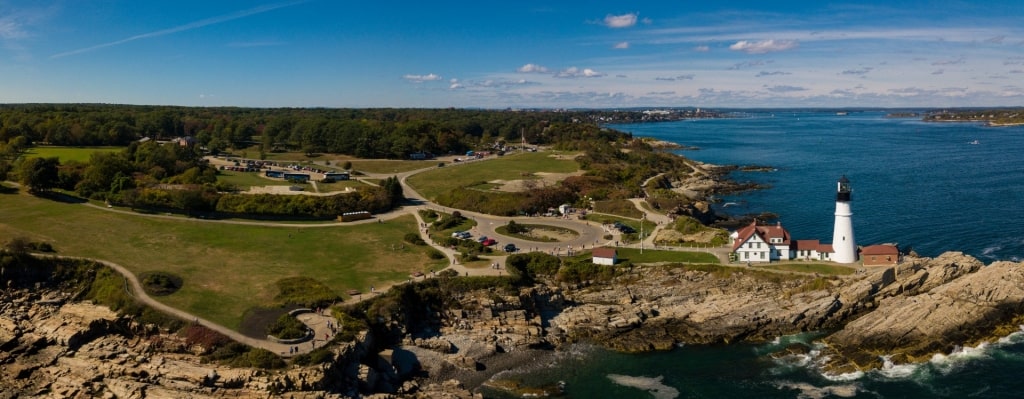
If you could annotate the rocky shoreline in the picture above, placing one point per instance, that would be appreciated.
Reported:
(53, 347)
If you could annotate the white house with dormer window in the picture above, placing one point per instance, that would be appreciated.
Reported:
(755, 244)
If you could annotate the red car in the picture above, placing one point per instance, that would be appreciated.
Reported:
(488, 242)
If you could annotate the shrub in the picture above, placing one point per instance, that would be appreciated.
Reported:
(435, 254)
(287, 327)
(414, 239)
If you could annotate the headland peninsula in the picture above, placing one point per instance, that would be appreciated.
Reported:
(152, 252)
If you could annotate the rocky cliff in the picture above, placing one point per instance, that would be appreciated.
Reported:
(51, 348)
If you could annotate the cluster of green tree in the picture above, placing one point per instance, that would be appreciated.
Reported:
(366, 133)
(1006, 116)
(287, 327)
(530, 202)
(10, 150)
(171, 177)
(614, 169)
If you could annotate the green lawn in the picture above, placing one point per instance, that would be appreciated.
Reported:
(227, 268)
(652, 256)
(538, 229)
(389, 166)
(510, 167)
(634, 223)
(245, 180)
(65, 154)
(621, 207)
(820, 268)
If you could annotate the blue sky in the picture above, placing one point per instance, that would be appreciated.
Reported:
(602, 54)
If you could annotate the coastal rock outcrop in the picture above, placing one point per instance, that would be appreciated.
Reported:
(951, 301)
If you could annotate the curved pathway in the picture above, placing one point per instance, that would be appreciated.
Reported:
(317, 322)
(590, 235)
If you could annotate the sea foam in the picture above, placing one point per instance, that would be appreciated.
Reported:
(649, 384)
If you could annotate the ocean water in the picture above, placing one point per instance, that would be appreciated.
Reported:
(921, 185)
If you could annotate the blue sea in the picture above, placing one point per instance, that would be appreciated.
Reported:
(930, 187)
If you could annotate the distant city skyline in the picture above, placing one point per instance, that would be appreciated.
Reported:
(597, 54)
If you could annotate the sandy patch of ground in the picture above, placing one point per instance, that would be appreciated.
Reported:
(672, 236)
(537, 180)
(552, 234)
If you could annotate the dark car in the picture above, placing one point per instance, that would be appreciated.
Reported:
(511, 248)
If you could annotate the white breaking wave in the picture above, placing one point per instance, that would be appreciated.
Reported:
(808, 391)
(897, 371)
(649, 384)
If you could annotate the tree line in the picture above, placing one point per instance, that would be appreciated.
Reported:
(364, 133)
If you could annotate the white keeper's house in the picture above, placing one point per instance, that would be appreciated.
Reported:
(767, 243)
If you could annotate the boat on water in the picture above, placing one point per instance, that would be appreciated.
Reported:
(841, 113)
(975, 142)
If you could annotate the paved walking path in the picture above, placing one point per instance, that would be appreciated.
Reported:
(590, 234)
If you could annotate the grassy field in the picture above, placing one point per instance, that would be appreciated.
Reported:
(653, 256)
(389, 166)
(621, 207)
(635, 224)
(819, 268)
(510, 167)
(245, 180)
(65, 154)
(227, 268)
(538, 230)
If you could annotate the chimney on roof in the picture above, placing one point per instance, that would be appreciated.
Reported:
(778, 223)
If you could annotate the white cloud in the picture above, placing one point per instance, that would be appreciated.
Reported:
(574, 72)
(620, 21)
(772, 73)
(857, 72)
(621, 45)
(702, 49)
(763, 46)
(955, 61)
(784, 88)
(422, 78)
(532, 68)
(10, 29)
(748, 64)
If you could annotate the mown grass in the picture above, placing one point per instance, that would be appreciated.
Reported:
(503, 230)
(809, 268)
(634, 223)
(510, 167)
(620, 207)
(246, 180)
(65, 154)
(389, 166)
(633, 255)
(226, 268)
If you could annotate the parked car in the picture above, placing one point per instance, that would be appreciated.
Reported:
(457, 234)
(511, 248)
(488, 242)
(481, 238)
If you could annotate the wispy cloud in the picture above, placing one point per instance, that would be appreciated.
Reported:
(702, 49)
(772, 73)
(857, 72)
(675, 78)
(955, 61)
(763, 46)
(186, 27)
(532, 68)
(574, 72)
(621, 45)
(784, 88)
(748, 64)
(996, 40)
(11, 29)
(430, 77)
(620, 21)
(938, 71)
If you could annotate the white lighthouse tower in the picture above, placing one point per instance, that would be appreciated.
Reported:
(843, 244)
